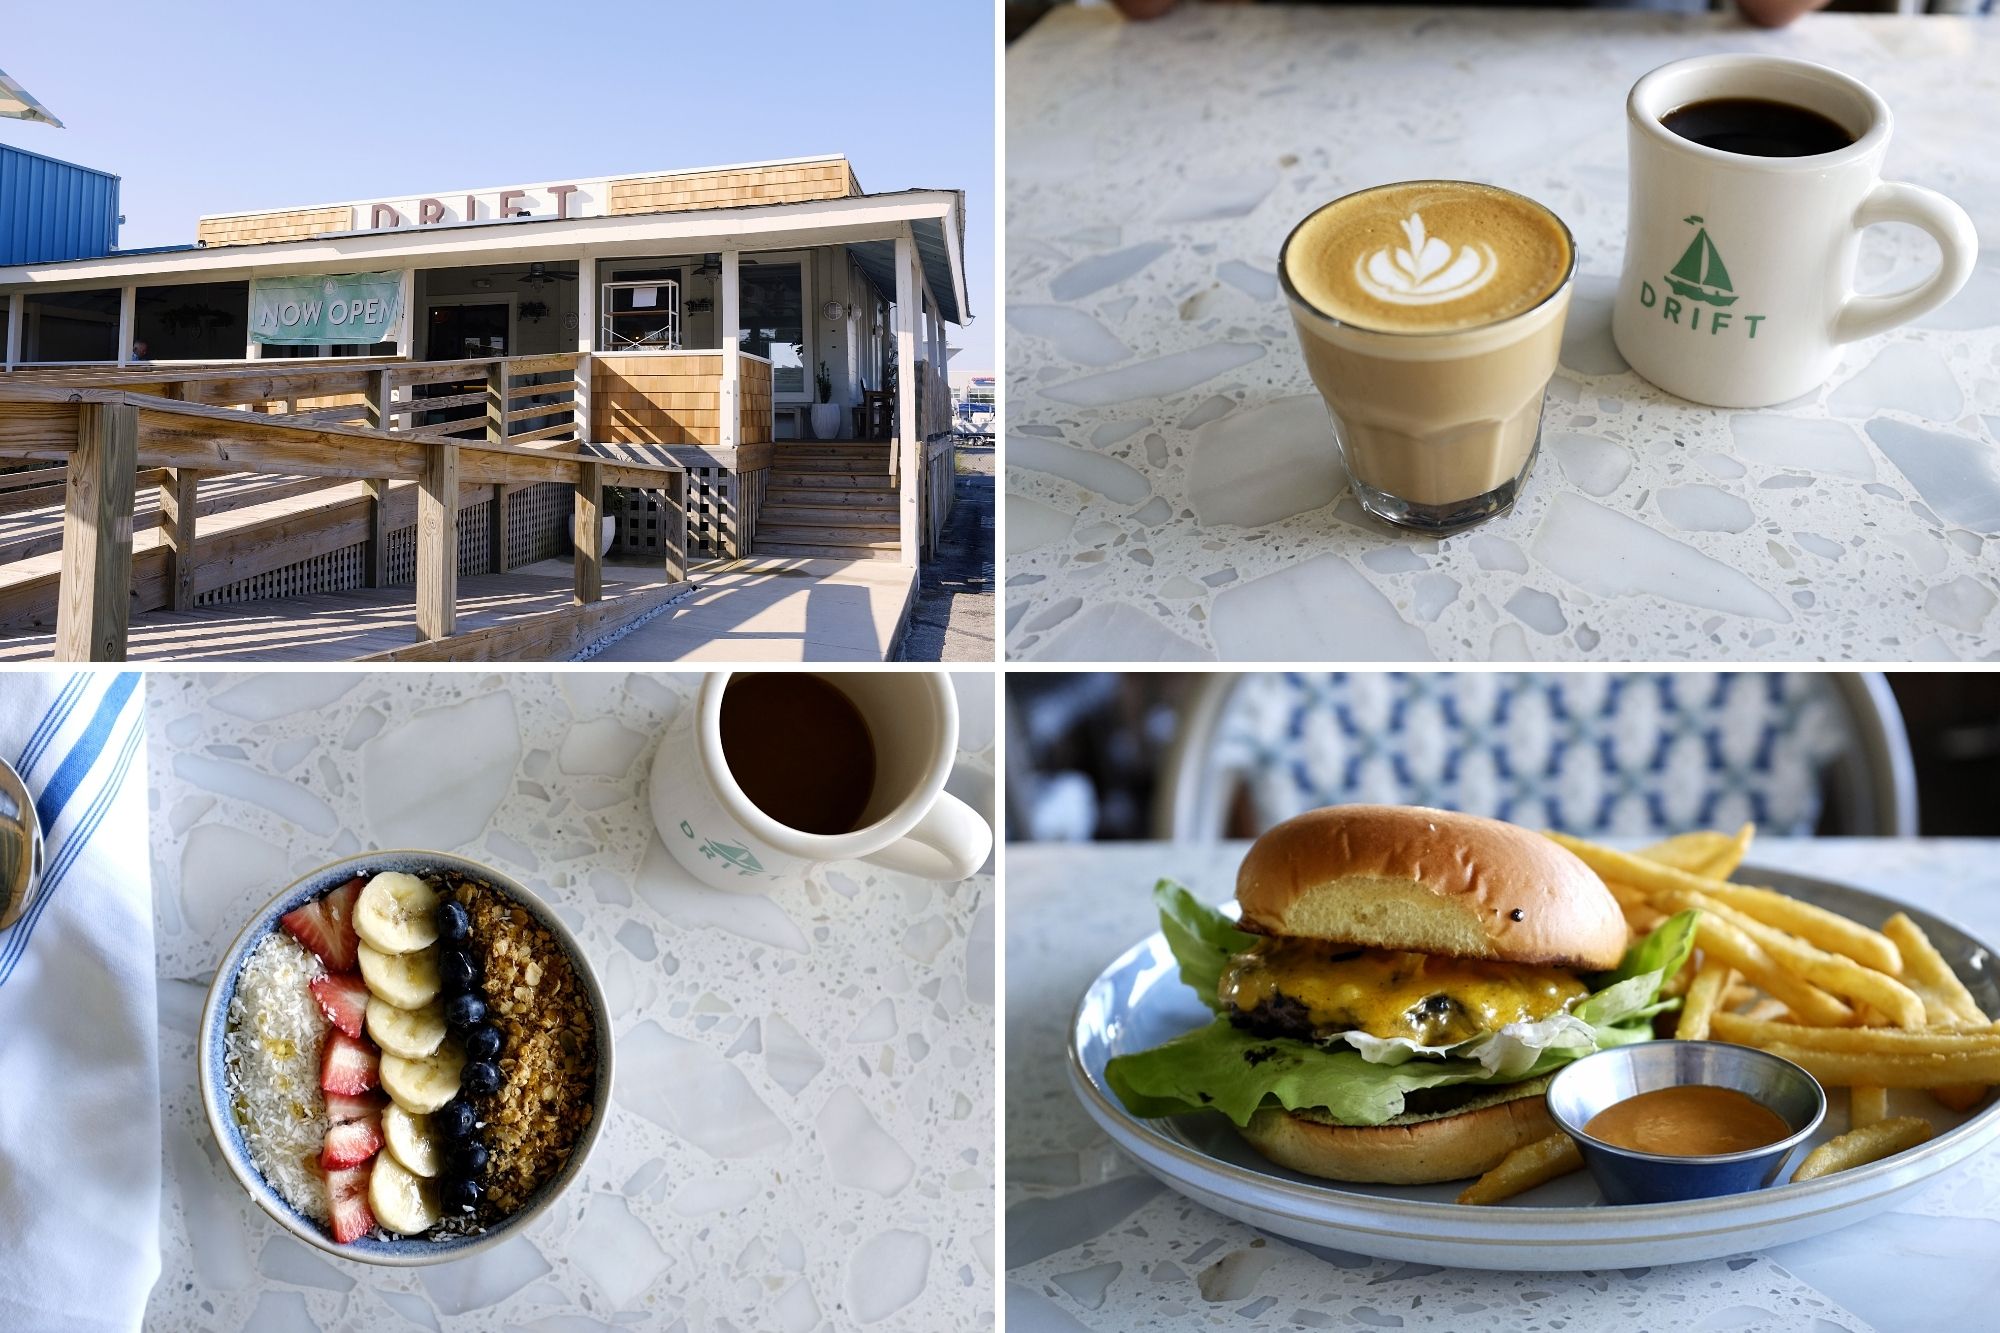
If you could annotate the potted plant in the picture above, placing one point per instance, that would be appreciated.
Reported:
(825, 412)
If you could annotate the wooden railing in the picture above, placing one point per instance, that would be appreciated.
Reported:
(933, 401)
(940, 488)
(161, 428)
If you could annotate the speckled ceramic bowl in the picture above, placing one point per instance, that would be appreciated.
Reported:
(416, 1250)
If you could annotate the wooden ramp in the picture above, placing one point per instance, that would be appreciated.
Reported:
(515, 616)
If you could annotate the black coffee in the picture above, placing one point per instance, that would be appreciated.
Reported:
(1755, 127)
(799, 749)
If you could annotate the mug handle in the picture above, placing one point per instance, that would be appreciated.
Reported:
(949, 843)
(1958, 246)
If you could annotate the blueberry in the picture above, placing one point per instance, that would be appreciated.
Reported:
(463, 1011)
(458, 970)
(472, 1156)
(461, 1195)
(453, 922)
(455, 1119)
(483, 1043)
(481, 1077)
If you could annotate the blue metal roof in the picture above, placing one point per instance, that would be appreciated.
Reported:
(53, 210)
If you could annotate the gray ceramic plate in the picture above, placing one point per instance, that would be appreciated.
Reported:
(1139, 1001)
(396, 1252)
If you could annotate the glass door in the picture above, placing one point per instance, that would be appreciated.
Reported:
(467, 332)
(774, 321)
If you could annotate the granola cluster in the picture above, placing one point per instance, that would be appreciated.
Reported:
(549, 1062)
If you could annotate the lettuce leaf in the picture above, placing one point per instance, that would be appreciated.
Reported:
(1223, 1068)
(1202, 939)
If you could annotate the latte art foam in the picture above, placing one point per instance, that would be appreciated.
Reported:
(1427, 256)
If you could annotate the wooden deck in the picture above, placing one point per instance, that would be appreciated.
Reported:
(516, 616)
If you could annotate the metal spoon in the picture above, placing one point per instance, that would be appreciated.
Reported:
(20, 846)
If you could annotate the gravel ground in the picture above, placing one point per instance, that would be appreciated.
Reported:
(952, 620)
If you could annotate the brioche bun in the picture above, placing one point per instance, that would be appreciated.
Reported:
(1468, 1140)
(1429, 881)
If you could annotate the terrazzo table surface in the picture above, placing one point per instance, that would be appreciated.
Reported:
(1095, 1243)
(801, 1134)
(1173, 487)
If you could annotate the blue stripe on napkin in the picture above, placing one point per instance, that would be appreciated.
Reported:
(71, 775)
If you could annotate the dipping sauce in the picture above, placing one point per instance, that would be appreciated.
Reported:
(1694, 1120)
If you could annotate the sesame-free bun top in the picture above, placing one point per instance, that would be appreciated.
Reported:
(1429, 881)
(1427, 257)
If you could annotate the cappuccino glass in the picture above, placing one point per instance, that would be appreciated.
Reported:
(1430, 314)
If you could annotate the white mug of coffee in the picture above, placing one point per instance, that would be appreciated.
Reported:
(1751, 180)
(767, 774)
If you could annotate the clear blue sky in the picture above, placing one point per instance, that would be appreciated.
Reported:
(210, 107)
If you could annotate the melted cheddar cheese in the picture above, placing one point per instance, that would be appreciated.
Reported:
(1433, 1001)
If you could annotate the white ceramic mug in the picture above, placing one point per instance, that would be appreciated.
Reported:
(911, 823)
(1759, 313)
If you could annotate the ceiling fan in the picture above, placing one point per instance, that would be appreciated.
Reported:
(538, 273)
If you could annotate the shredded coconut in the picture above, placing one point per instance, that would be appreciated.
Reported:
(272, 1058)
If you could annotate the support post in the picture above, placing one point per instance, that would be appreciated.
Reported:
(589, 512)
(375, 549)
(496, 528)
(381, 400)
(406, 331)
(437, 543)
(95, 594)
(128, 322)
(178, 507)
(732, 352)
(674, 525)
(905, 462)
(586, 344)
(15, 301)
(496, 402)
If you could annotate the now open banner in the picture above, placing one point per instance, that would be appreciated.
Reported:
(326, 308)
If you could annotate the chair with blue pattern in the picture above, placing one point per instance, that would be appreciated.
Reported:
(1621, 754)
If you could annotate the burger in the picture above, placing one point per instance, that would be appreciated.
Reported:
(1395, 992)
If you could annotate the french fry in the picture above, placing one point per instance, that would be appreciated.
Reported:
(1725, 863)
(1924, 966)
(1704, 998)
(1866, 1106)
(1862, 1041)
(1924, 1069)
(1524, 1168)
(1724, 943)
(1692, 852)
(1857, 1147)
(1959, 1097)
(1742, 992)
(1830, 972)
(1770, 1011)
(1815, 925)
(1947, 1002)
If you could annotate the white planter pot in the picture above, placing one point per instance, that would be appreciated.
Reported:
(826, 421)
(607, 531)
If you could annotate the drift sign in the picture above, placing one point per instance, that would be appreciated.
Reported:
(326, 308)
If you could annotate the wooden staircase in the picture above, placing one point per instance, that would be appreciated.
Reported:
(830, 499)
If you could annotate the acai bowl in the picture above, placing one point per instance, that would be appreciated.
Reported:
(405, 1057)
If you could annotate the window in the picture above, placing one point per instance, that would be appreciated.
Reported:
(774, 323)
(70, 326)
(194, 321)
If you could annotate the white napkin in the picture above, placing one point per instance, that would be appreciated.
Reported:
(79, 1036)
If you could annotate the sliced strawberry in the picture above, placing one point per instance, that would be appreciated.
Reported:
(340, 920)
(326, 926)
(347, 1066)
(341, 1110)
(343, 998)
(352, 1144)
(347, 1193)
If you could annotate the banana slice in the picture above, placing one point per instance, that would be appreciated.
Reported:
(410, 1033)
(421, 1086)
(401, 1202)
(411, 1141)
(406, 980)
(396, 913)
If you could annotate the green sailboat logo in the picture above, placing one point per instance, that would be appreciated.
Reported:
(1699, 275)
